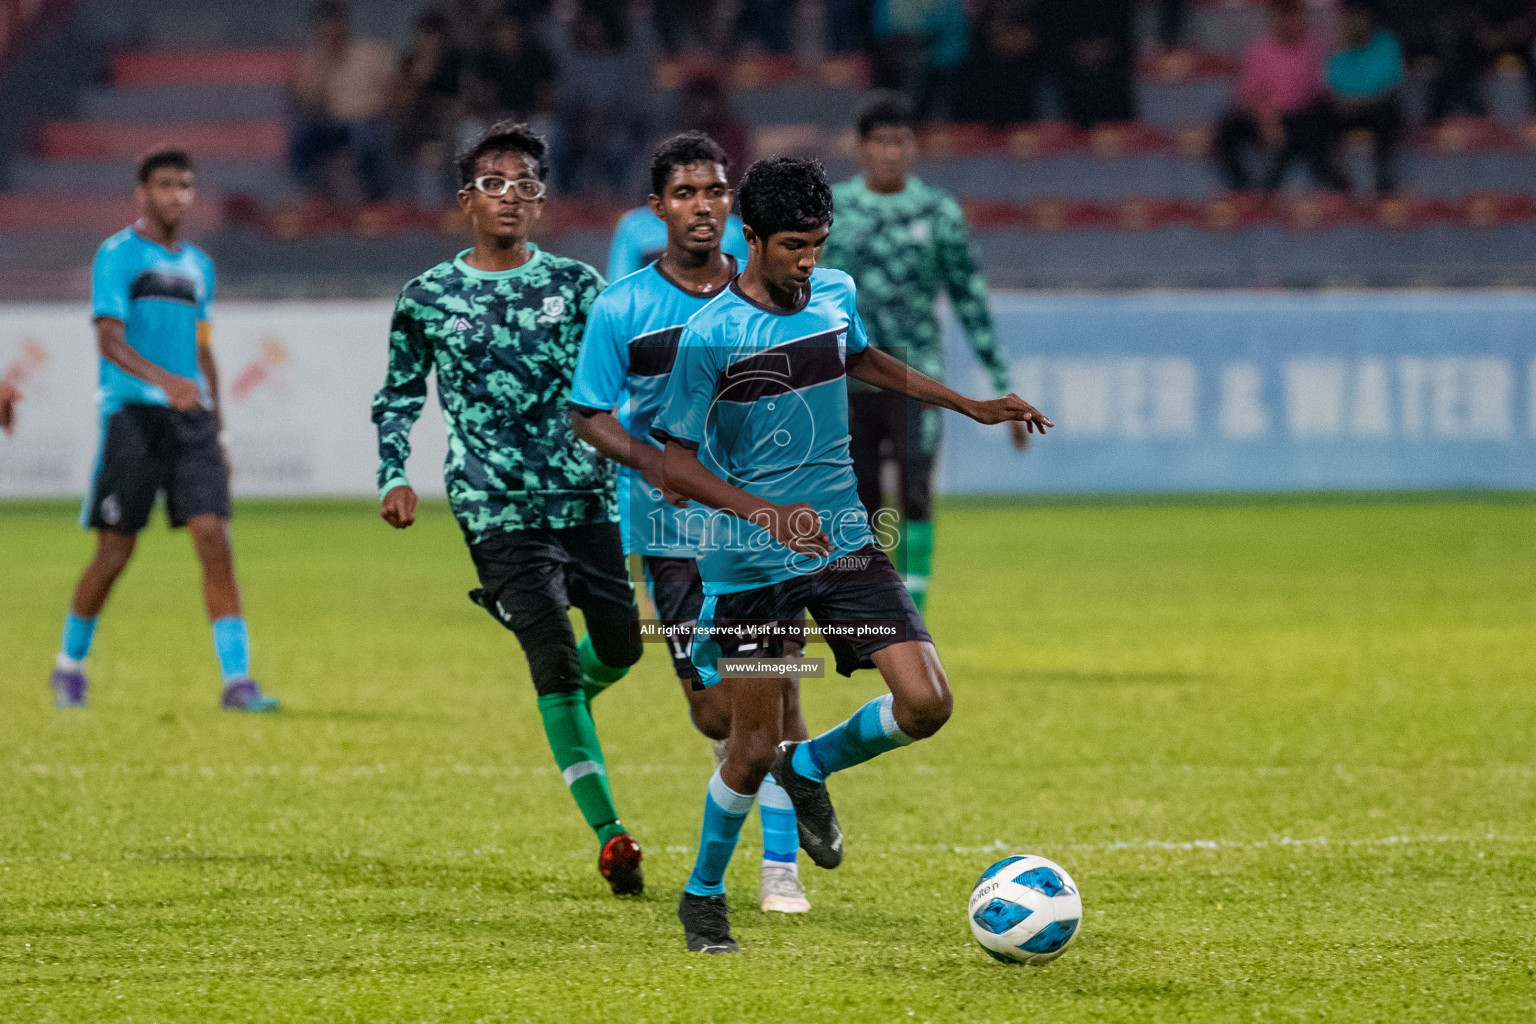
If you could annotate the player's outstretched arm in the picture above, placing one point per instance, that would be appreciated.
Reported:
(601, 429)
(112, 342)
(797, 526)
(882, 370)
(9, 396)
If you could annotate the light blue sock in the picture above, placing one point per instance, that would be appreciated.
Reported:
(77, 637)
(869, 732)
(781, 839)
(724, 811)
(233, 643)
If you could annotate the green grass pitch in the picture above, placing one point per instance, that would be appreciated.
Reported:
(1285, 746)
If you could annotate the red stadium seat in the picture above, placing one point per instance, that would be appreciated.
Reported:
(208, 140)
(205, 67)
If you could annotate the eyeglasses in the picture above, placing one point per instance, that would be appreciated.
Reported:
(496, 186)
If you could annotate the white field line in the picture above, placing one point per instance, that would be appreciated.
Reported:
(993, 848)
(1283, 842)
(65, 771)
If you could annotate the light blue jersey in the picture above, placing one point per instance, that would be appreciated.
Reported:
(761, 394)
(641, 237)
(626, 355)
(161, 294)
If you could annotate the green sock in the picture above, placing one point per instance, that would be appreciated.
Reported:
(595, 676)
(915, 557)
(573, 740)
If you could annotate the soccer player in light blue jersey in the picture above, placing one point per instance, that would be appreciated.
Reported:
(755, 423)
(627, 352)
(160, 427)
(640, 238)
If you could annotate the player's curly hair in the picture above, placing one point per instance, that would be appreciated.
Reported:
(162, 156)
(681, 150)
(785, 193)
(504, 137)
(885, 108)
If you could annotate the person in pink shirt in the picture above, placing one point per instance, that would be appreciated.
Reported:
(1280, 106)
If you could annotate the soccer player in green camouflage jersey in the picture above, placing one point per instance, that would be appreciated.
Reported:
(902, 240)
(501, 325)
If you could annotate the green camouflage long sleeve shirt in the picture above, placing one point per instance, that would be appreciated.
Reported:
(901, 250)
(504, 348)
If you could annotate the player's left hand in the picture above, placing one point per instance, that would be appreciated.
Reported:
(1011, 409)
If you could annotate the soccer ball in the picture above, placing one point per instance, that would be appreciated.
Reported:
(1025, 910)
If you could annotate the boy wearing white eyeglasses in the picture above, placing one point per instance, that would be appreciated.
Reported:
(501, 325)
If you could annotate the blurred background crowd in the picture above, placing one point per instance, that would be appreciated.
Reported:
(1093, 143)
(583, 74)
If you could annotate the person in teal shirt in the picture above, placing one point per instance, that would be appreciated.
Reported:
(161, 428)
(1365, 79)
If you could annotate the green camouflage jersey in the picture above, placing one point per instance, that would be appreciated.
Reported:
(900, 250)
(504, 347)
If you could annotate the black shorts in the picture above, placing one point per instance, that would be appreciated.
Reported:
(527, 575)
(677, 591)
(147, 449)
(858, 601)
(887, 425)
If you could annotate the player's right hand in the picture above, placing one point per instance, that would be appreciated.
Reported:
(399, 508)
(1011, 409)
(652, 475)
(183, 392)
(9, 396)
(798, 527)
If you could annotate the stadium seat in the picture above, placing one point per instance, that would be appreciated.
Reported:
(205, 67)
(211, 140)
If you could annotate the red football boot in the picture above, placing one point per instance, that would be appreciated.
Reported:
(619, 863)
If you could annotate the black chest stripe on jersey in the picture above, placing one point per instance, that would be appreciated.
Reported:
(792, 366)
(652, 355)
(158, 284)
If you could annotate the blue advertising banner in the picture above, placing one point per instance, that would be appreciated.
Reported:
(1252, 391)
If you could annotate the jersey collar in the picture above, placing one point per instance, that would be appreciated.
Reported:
(535, 255)
(735, 270)
(775, 310)
(882, 197)
(176, 250)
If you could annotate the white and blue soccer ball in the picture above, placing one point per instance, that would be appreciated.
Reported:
(1025, 910)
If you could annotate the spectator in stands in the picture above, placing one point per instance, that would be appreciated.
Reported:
(469, 24)
(515, 71)
(1172, 20)
(848, 23)
(1281, 105)
(999, 83)
(1506, 29)
(1467, 39)
(1365, 80)
(683, 25)
(1457, 86)
(1093, 52)
(768, 23)
(706, 107)
(426, 88)
(601, 102)
(918, 48)
(342, 97)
